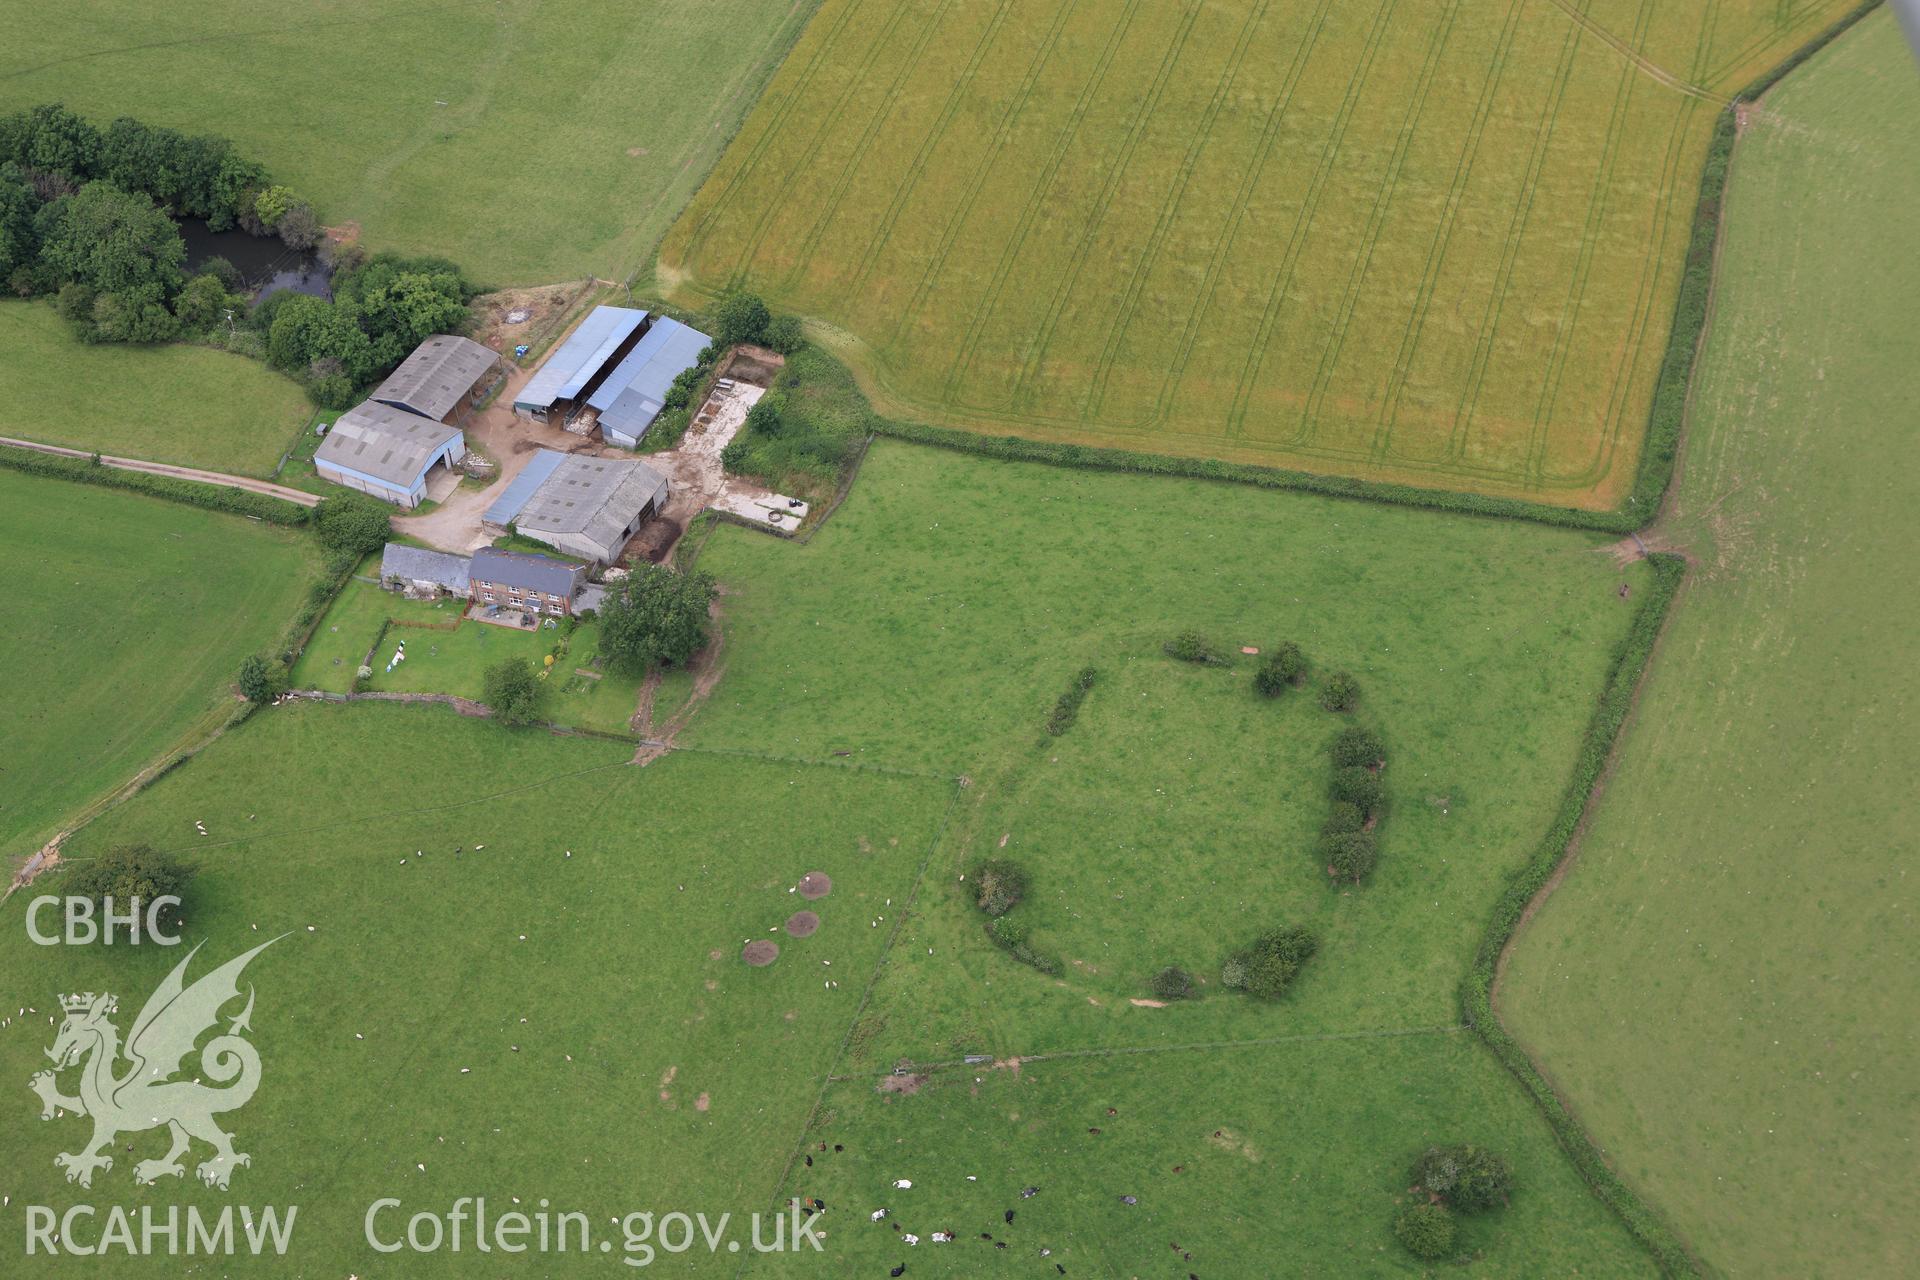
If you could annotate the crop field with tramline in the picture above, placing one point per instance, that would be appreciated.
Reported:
(1436, 243)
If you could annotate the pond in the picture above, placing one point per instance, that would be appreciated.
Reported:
(263, 262)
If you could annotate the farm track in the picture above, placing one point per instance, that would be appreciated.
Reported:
(195, 474)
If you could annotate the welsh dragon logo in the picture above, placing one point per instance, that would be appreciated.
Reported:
(144, 1094)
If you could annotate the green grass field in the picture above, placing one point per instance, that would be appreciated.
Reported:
(128, 618)
(188, 405)
(1437, 244)
(924, 633)
(512, 1021)
(1724, 985)
(932, 623)
(446, 654)
(532, 144)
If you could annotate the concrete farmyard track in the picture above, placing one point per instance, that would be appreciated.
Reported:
(178, 473)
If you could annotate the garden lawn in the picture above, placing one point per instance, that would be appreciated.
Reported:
(1724, 986)
(192, 406)
(1437, 244)
(127, 620)
(449, 654)
(527, 142)
(562, 1015)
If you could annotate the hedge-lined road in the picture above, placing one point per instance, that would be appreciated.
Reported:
(177, 473)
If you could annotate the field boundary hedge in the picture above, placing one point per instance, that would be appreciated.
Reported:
(1476, 990)
(193, 493)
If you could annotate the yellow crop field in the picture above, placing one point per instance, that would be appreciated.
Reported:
(1425, 241)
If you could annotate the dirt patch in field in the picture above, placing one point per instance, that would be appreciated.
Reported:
(1228, 1140)
(706, 668)
(702, 1102)
(1147, 1004)
(760, 953)
(906, 1086)
(815, 885)
(802, 924)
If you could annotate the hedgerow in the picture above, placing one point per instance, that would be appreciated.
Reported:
(1476, 1004)
(240, 502)
(1067, 709)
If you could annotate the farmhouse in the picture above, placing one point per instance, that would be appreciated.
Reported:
(574, 370)
(420, 572)
(387, 452)
(443, 374)
(582, 505)
(631, 397)
(538, 584)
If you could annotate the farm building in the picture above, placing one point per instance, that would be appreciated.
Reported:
(443, 374)
(574, 370)
(582, 505)
(387, 452)
(631, 397)
(512, 580)
(420, 572)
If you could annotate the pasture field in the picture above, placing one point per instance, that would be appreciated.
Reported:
(1724, 985)
(932, 623)
(506, 1022)
(924, 632)
(1437, 244)
(127, 619)
(192, 406)
(527, 142)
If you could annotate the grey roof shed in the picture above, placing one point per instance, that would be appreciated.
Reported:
(417, 564)
(596, 498)
(432, 381)
(383, 443)
(578, 360)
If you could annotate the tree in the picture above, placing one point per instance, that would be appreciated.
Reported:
(740, 317)
(18, 243)
(1351, 855)
(352, 525)
(1191, 646)
(56, 140)
(1426, 1230)
(784, 335)
(513, 691)
(1280, 670)
(1469, 1178)
(204, 303)
(765, 416)
(116, 241)
(1341, 693)
(271, 204)
(133, 315)
(655, 617)
(299, 227)
(998, 886)
(260, 679)
(1358, 746)
(1357, 786)
(1173, 983)
(1344, 817)
(127, 872)
(1268, 966)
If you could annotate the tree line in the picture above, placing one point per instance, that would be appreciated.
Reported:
(89, 218)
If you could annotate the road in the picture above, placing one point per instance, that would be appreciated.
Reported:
(178, 473)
